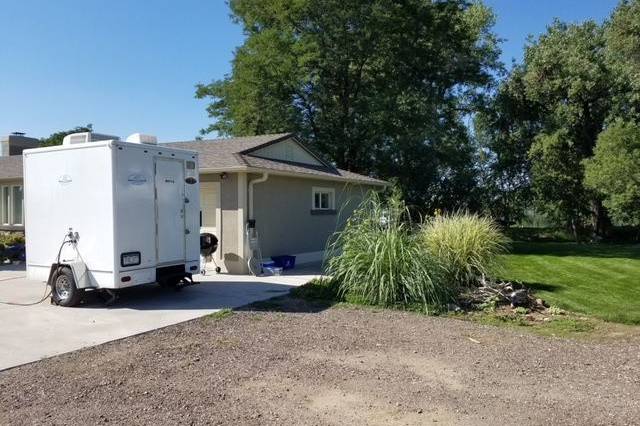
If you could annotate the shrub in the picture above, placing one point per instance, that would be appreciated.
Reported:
(11, 238)
(466, 246)
(377, 259)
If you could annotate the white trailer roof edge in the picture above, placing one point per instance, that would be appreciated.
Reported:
(112, 143)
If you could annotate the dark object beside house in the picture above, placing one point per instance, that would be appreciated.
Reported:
(284, 262)
(208, 246)
(14, 252)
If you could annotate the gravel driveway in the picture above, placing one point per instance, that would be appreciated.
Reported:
(335, 366)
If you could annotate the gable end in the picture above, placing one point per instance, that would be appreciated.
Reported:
(288, 150)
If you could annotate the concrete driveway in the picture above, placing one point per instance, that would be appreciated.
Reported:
(30, 333)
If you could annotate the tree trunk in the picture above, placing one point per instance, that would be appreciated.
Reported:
(599, 219)
(574, 229)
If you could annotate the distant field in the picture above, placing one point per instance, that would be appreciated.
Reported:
(601, 280)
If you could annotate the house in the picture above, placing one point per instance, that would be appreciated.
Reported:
(296, 198)
(15, 143)
(11, 206)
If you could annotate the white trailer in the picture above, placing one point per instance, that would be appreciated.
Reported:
(110, 214)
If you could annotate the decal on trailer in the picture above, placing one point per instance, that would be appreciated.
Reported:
(137, 179)
(65, 179)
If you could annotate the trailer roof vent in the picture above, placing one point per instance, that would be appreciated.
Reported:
(141, 138)
(86, 137)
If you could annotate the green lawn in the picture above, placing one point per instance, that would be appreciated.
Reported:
(600, 280)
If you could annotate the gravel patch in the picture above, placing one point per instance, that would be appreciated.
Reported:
(334, 366)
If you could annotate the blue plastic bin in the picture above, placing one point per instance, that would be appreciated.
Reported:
(285, 262)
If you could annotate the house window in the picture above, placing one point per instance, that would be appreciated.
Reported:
(11, 205)
(323, 199)
(16, 205)
(4, 205)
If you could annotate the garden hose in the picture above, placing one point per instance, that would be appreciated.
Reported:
(48, 290)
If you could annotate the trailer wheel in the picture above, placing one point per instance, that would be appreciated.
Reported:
(64, 290)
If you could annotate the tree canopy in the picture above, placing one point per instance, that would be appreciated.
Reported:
(622, 35)
(543, 121)
(614, 171)
(57, 137)
(414, 92)
(380, 87)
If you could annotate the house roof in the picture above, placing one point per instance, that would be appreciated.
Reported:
(238, 154)
(225, 153)
(11, 167)
(234, 154)
(287, 167)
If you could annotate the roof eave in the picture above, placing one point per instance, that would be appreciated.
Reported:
(245, 169)
(292, 174)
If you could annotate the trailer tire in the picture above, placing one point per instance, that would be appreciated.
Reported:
(63, 288)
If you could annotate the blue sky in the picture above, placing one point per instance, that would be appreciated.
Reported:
(127, 66)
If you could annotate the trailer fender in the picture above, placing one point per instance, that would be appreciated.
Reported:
(53, 270)
(78, 269)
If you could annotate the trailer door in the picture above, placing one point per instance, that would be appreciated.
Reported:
(170, 226)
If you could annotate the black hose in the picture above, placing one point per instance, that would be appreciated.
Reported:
(48, 290)
(47, 294)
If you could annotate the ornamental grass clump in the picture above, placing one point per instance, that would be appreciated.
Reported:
(378, 259)
(465, 246)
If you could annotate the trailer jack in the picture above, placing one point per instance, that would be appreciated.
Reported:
(112, 296)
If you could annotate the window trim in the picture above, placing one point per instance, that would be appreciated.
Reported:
(323, 190)
(10, 213)
(5, 210)
(12, 210)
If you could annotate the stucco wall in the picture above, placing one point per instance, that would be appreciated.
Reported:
(284, 219)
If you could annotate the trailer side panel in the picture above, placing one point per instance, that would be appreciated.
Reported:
(64, 189)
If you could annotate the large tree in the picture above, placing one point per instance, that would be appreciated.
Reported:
(614, 171)
(567, 75)
(505, 130)
(622, 35)
(379, 86)
(542, 124)
(557, 102)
